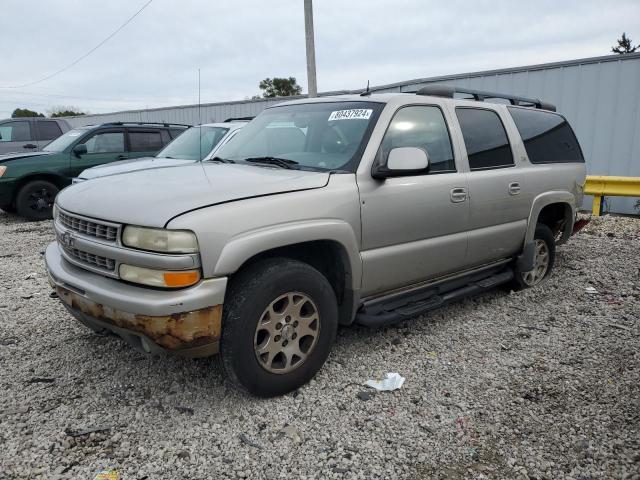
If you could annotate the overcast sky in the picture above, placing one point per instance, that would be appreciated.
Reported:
(154, 60)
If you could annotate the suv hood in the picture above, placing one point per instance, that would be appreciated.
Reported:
(131, 165)
(17, 155)
(153, 197)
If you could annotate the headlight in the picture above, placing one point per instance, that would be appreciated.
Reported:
(160, 240)
(54, 212)
(159, 278)
(2, 170)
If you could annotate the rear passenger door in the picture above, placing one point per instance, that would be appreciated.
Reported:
(46, 131)
(17, 136)
(498, 209)
(145, 142)
(415, 227)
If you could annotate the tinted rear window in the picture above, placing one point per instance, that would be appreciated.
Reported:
(485, 138)
(547, 137)
(48, 130)
(145, 141)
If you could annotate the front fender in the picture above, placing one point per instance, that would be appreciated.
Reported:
(548, 198)
(242, 247)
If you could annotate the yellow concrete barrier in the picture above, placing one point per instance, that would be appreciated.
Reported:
(600, 186)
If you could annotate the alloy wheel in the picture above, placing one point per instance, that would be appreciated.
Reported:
(541, 264)
(287, 333)
(41, 200)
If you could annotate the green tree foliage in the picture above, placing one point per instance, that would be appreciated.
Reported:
(279, 87)
(25, 112)
(624, 45)
(65, 111)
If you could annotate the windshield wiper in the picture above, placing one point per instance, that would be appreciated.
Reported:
(221, 160)
(279, 162)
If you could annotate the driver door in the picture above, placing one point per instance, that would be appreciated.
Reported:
(103, 146)
(414, 228)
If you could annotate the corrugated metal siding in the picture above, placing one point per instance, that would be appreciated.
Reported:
(599, 96)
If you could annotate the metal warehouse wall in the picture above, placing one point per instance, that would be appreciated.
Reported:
(599, 96)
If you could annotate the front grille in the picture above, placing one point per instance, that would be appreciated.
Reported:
(104, 263)
(90, 228)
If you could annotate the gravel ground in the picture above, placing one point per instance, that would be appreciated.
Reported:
(538, 384)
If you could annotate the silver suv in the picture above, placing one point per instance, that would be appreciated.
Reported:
(29, 134)
(366, 209)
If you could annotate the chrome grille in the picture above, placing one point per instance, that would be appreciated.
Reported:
(90, 228)
(104, 263)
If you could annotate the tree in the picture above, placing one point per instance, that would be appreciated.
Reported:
(624, 45)
(65, 111)
(280, 87)
(25, 112)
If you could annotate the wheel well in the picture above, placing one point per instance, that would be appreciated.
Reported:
(56, 180)
(554, 216)
(329, 258)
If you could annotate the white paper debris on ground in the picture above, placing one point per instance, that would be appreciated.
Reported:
(393, 382)
(591, 290)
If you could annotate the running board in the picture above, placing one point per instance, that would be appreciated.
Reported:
(397, 310)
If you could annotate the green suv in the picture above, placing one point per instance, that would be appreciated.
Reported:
(29, 182)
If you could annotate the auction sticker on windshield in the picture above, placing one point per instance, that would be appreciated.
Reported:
(352, 114)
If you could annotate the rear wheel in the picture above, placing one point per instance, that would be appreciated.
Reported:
(35, 200)
(544, 257)
(279, 322)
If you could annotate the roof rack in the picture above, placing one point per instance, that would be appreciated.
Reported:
(164, 124)
(449, 91)
(239, 119)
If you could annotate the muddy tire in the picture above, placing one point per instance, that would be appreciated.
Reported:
(35, 200)
(545, 254)
(279, 322)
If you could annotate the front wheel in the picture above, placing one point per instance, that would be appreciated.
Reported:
(280, 319)
(35, 200)
(544, 257)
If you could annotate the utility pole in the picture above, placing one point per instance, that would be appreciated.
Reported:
(311, 49)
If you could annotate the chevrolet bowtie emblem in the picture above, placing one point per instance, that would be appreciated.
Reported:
(67, 239)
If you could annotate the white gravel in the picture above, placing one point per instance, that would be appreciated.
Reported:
(538, 384)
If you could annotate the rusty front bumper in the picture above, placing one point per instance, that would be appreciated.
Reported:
(182, 322)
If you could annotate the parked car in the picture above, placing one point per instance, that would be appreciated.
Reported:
(335, 210)
(30, 134)
(196, 144)
(29, 182)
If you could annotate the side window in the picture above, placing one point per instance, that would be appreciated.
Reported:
(422, 127)
(106, 142)
(19, 131)
(144, 141)
(176, 132)
(547, 137)
(485, 138)
(48, 130)
(166, 138)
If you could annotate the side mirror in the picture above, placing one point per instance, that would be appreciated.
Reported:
(402, 162)
(79, 150)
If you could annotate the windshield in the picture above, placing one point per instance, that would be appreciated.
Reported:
(194, 144)
(62, 142)
(316, 136)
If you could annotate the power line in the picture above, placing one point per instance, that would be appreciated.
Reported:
(83, 56)
(76, 97)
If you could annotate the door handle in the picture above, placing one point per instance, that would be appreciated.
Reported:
(514, 188)
(29, 145)
(121, 157)
(458, 195)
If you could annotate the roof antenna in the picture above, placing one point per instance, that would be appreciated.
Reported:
(367, 92)
(199, 116)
